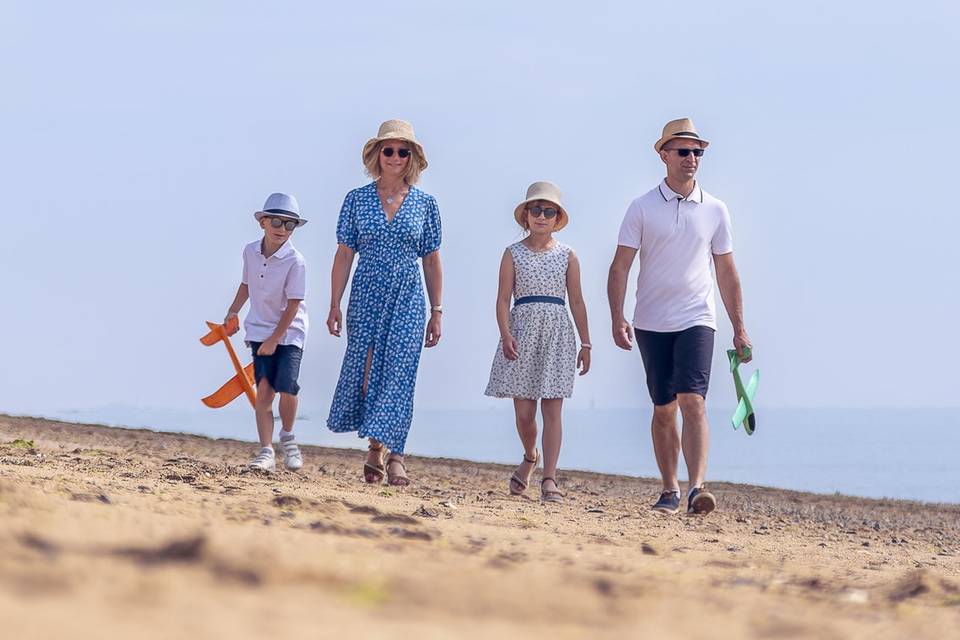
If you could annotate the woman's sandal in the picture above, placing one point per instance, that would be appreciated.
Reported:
(397, 479)
(551, 495)
(373, 473)
(517, 484)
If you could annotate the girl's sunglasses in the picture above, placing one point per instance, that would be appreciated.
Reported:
(548, 212)
(289, 225)
(403, 153)
(683, 153)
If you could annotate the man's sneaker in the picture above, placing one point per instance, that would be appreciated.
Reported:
(699, 500)
(292, 458)
(264, 461)
(669, 502)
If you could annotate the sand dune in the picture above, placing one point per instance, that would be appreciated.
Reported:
(111, 533)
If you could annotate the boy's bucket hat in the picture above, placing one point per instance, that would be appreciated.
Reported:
(397, 130)
(682, 128)
(281, 205)
(543, 191)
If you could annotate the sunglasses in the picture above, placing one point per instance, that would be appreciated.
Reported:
(548, 212)
(683, 153)
(403, 153)
(289, 225)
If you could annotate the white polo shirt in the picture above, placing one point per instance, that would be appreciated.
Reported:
(676, 238)
(272, 282)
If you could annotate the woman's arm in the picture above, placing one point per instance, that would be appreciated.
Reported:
(433, 275)
(579, 310)
(504, 294)
(342, 262)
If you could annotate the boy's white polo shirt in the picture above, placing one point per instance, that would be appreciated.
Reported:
(676, 238)
(271, 282)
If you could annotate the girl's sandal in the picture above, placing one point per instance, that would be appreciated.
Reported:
(550, 495)
(517, 484)
(373, 473)
(397, 479)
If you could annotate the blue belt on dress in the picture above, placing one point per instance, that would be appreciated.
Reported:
(529, 299)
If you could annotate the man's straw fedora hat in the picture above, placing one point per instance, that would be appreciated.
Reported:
(682, 128)
(397, 130)
(543, 191)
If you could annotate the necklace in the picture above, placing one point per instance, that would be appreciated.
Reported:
(391, 198)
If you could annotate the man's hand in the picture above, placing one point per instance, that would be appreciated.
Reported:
(267, 348)
(623, 334)
(741, 340)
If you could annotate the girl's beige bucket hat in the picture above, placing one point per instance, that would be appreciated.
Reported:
(397, 130)
(543, 191)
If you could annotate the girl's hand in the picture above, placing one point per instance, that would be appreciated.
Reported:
(334, 321)
(433, 330)
(583, 361)
(510, 350)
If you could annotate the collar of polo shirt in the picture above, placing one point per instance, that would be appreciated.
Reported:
(669, 194)
(285, 249)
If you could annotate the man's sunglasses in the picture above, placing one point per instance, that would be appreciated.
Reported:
(548, 212)
(403, 153)
(683, 153)
(289, 225)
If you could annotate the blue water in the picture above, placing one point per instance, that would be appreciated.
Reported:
(908, 454)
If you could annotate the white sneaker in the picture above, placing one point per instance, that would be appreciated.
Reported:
(292, 458)
(265, 460)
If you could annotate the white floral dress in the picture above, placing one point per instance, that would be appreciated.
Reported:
(547, 346)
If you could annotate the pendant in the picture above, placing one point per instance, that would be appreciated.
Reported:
(389, 200)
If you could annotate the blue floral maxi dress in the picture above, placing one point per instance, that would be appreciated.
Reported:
(386, 312)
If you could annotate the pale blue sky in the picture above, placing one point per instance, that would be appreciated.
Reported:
(138, 140)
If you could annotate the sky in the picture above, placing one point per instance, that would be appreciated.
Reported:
(140, 138)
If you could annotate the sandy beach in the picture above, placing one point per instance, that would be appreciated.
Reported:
(110, 533)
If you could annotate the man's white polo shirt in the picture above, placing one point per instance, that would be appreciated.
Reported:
(272, 281)
(676, 238)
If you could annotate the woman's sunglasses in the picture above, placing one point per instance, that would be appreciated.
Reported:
(683, 153)
(289, 225)
(548, 212)
(403, 153)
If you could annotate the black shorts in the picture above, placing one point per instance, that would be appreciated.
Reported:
(281, 369)
(676, 362)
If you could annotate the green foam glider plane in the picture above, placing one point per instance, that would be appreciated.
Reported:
(744, 414)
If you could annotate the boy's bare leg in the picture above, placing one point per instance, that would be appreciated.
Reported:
(264, 412)
(288, 411)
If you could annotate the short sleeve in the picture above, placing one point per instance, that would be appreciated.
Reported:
(295, 288)
(631, 229)
(430, 236)
(245, 277)
(347, 223)
(722, 241)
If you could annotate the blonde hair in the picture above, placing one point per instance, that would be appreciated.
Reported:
(371, 161)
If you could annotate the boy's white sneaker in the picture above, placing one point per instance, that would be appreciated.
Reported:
(292, 458)
(265, 460)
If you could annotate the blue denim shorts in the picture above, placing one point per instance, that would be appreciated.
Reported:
(281, 369)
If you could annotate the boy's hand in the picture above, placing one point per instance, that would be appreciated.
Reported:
(334, 321)
(231, 323)
(267, 348)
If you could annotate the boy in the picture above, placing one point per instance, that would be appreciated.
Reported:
(274, 279)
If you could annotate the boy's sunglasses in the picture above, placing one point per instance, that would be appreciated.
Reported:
(548, 212)
(388, 152)
(289, 225)
(683, 153)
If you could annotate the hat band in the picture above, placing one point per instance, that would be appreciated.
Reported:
(687, 133)
(282, 212)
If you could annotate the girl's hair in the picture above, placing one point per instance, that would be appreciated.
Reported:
(371, 161)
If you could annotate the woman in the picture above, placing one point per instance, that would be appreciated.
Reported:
(390, 223)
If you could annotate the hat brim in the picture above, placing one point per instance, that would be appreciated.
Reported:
(658, 145)
(421, 156)
(273, 214)
(561, 223)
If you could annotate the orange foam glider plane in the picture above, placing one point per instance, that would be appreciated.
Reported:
(240, 383)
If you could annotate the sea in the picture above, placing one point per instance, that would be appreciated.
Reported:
(894, 453)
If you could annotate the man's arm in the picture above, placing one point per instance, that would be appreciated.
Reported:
(729, 282)
(617, 291)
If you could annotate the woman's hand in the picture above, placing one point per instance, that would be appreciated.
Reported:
(510, 350)
(583, 360)
(334, 321)
(433, 330)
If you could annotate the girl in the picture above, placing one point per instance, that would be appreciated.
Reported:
(537, 356)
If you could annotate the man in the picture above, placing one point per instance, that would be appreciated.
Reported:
(677, 228)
